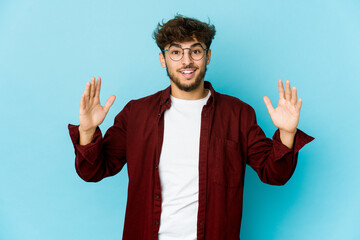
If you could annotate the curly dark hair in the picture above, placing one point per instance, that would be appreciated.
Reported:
(180, 29)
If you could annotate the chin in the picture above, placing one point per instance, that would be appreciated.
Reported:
(187, 85)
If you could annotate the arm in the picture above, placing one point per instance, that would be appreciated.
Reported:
(98, 157)
(275, 160)
(271, 159)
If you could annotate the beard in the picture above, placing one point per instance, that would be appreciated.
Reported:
(191, 86)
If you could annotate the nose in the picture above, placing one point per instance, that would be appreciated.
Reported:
(186, 59)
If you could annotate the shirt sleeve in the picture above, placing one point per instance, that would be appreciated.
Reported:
(273, 161)
(103, 156)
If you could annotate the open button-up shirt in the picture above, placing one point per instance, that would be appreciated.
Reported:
(230, 138)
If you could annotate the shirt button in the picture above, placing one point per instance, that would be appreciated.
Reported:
(157, 223)
(157, 196)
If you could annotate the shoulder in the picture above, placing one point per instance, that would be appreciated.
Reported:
(145, 105)
(141, 108)
(230, 107)
(227, 101)
(147, 100)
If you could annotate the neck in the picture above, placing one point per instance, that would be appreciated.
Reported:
(195, 94)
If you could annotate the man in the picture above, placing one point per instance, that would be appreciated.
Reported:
(186, 147)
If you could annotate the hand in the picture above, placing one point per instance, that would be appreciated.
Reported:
(91, 113)
(286, 115)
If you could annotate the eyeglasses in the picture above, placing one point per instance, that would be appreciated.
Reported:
(176, 52)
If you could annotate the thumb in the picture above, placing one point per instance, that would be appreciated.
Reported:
(109, 103)
(268, 104)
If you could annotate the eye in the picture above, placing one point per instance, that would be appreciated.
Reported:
(175, 51)
(197, 51)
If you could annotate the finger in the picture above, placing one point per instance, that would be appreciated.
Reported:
(82, 102)
(287, 90)
(293, 96)
(298, 105)
(268, 104)
(92, 87)
(108, 103)
(98, 86)
(87, 91)
(281, 89)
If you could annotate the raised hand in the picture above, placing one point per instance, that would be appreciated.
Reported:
(286, 115)
(91, 113)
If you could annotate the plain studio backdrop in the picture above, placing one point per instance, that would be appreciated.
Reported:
(50, 49)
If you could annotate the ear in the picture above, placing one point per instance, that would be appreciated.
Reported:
(162, 60)
(208, 57)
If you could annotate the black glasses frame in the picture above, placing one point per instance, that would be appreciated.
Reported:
(183, 51)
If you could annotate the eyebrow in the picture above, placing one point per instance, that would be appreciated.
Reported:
(178, 45)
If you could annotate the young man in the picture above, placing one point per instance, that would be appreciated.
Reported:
(186, 147)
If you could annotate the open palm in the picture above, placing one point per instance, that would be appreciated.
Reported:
(91, 113)
(286, 115)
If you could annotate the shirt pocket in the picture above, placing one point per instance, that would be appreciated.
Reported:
(228, 163)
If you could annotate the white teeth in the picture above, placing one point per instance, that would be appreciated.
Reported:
(187, 72)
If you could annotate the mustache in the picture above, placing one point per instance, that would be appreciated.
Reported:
(188, 66)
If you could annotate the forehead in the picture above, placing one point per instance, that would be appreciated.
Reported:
(186, 44)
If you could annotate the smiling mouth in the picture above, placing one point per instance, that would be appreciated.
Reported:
(188, 73)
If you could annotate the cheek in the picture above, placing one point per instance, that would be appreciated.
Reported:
(172, 67)
(204, 64)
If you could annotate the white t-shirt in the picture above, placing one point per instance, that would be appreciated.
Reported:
(179, 169)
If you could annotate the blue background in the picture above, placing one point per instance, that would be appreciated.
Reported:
(49, 49)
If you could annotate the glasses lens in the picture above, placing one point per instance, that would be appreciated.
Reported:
(175, 53)
(197, 52)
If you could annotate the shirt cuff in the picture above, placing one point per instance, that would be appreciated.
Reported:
(89, 152)
(280, 150)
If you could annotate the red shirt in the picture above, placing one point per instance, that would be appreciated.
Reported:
(229, 139)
